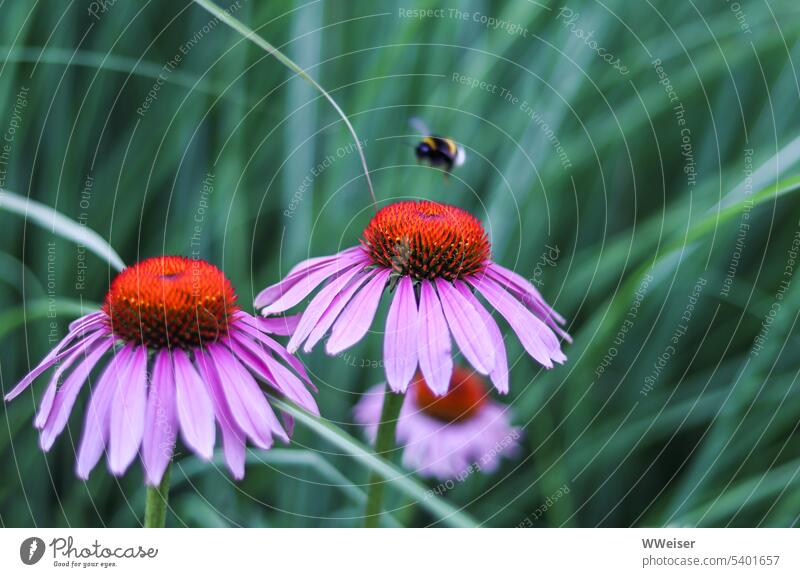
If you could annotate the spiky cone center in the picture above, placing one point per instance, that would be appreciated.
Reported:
(466, 396)
(427, 240)
(170, 301)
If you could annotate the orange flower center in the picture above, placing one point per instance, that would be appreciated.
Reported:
(170, 301)
(426, 240)
(463, 400)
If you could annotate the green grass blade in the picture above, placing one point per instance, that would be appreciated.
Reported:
(251, 35)
(401, 480)
(59, 224)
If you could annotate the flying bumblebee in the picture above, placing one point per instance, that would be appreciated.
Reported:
(437, 150)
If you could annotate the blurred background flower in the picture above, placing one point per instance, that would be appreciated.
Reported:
(448, 437)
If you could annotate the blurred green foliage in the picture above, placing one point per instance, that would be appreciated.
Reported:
(167, 132)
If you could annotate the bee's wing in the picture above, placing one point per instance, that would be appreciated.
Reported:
(419, 125)
(461, 156)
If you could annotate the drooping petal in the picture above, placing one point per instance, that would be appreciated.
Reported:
(49, 396)
(246, 401)
(282, 326)
(235, 451)
(292, 290)
(271, 371)
(535, 336)
(161, 425)
(356, 318)
(86, 320)
(332, 313)
(193, 406)
(401, 339)
(95, 429)
(513, 279)
(467, 327)
(317, 307)
(318, 261)
(273, 292)
(529, 296)
(435, 360)
(276, 348)
(499, 374)
(233, 439)
(59, 352)
(126, 424)
(65, 398)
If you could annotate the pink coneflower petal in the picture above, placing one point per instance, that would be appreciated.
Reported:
(301, 287)
(194, 408)
(535, 336)
(435, 360)
(65, 398)
(86, 320)
(281, 326)
(253, 328)
(467, 327)
(246, 401)
(299, 290)
(355, 320)
(307, 265)
(235, 451)
(126, 423)
(401, 341)
(317, 307)
(530, 296)
(50, 393)
(499, 374)
(160, 429)
(95, 429)
(332, 312)
(271, 371)
(233, 439)
(520, 284)
(272, 293)
(57, 354)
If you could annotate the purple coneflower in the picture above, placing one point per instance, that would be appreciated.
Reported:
(183, 355)
(436, 259)
(450, 436)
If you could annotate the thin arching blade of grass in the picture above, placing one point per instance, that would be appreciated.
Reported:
(108, 62)
(280, 457)
(67, 228)
(737, 436)
(251, 35)
(749, 492)
(623, 249)
(401, 480)
(39, 308)
(619, 302)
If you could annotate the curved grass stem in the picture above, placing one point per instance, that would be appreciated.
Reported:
(442, 511)
(251, 35)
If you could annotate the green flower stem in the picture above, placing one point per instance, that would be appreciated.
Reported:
(155, 507)
(384, 443)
